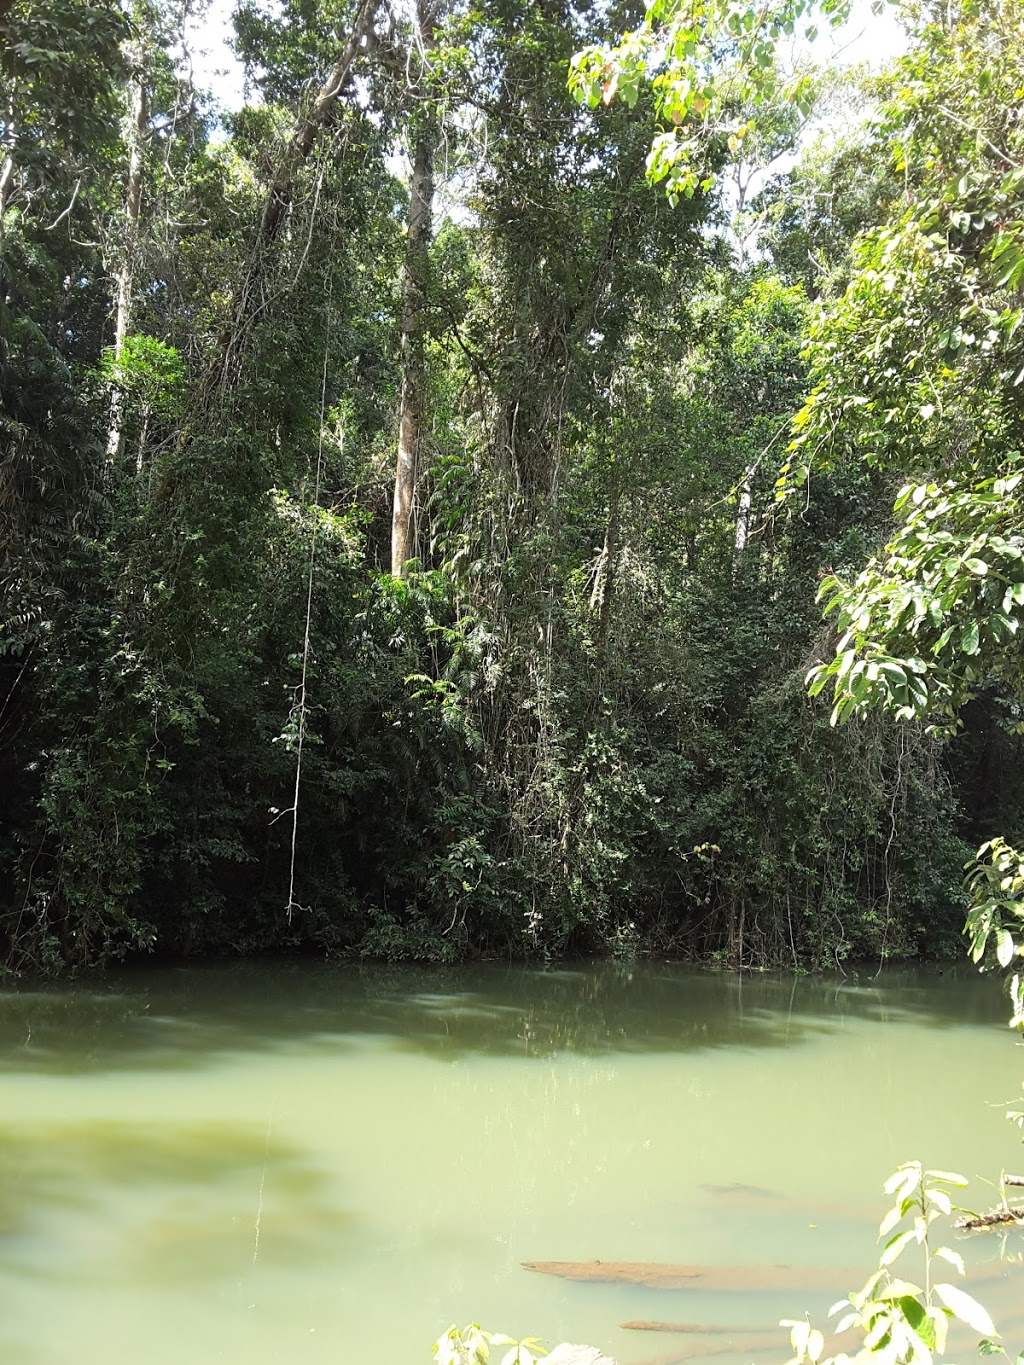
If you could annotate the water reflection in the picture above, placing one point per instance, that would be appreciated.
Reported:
(202, 1199)
(187, 1017)
(322, 1164)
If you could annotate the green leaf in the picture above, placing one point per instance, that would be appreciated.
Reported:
(816, 680)
(940, 1320)
(953, 1257)
(916, 1315)
(941, 1200)
(905, 1180)
(965, 1308)
(969, 638)
(1004, 946)
(898, 1289)
(895, 1245)
(890, 1220)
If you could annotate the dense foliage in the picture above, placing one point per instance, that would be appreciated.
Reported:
(233, 716)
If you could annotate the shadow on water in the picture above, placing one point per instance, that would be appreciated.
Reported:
(114, 1205)
(205, 1199)
(188, 1017)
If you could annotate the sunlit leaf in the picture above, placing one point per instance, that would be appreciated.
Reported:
(953, 1257)
(968, 1310)
(1004, 946)
(895, 1246)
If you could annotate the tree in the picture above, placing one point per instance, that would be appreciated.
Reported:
(917, 371)
(710, 65)
(576, 722)
(411, 416)
(138, 56)
(60, 63)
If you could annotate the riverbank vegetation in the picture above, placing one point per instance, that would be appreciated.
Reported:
(397, 558)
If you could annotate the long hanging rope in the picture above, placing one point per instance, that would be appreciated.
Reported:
(293, 905)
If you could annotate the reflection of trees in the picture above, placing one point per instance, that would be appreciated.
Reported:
(173, 1018)
(191, 1194)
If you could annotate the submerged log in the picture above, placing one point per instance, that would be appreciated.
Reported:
(730, 1343)
(763, 1343)
(766, 1346)
(755, 1199)
(703, 1329)
(741, 1191)
(737, 1338)
(749, 1278)
(681, 1358)
(996, 1218)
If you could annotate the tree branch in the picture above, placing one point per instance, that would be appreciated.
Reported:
(305, 133)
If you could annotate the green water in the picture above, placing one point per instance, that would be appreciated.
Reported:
(287, 1163)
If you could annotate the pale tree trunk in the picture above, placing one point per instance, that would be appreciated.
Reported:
(138, 137)
(417, 245)
(9, 166)
(603, 594)
(743, 512)
(6, 177)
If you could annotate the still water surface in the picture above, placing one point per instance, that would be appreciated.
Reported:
(288, 1163)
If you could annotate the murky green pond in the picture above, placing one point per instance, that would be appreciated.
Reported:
(292, 1163)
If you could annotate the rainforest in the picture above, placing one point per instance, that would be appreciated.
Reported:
(528, 479)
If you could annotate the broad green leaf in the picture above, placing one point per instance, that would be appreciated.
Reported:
(916, 1315)
(905, 1179)
(898, 1289)
(953, 1257)
(948, 1178)
(1004, 946)
(941, 1200)
(895, 1245)
(890, 1220)
(965, 1308)
(800, 1331)
(816, 680)
(878, 1333)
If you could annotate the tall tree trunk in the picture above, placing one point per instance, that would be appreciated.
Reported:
(6, 177)
(743, 511)
(417, 245)
(8, 168)
(603, 594)
(137, 137)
